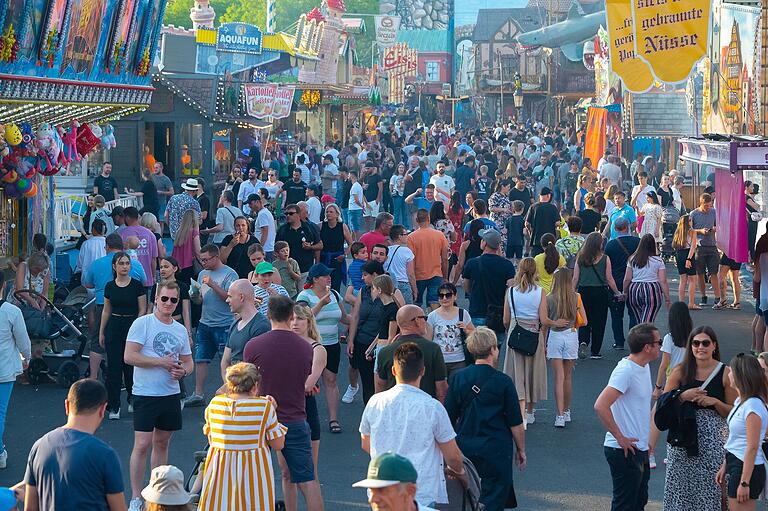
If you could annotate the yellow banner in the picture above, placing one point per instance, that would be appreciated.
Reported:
(671, 35)
(634, 73)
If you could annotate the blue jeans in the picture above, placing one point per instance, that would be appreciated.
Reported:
(5, 398)
(400, 209)
(428, 287)
(210, 340)
(355, 217)
(345, 216)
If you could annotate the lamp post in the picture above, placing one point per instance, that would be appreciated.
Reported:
(518, 95)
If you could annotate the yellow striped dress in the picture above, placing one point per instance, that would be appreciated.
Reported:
(238, 470)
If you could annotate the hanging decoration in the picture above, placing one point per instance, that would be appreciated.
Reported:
(310, 98)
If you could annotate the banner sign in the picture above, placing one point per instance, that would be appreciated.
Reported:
(401, 59)
(239, 38)
(386, 30)
(671, 36)
(594, 146)
(283, 102)
(260, 99)
(635, 73)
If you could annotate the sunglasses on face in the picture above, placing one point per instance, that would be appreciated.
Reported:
(419, 317)
(173, 299)
(703, 343)
(444, 295)
(289, 213)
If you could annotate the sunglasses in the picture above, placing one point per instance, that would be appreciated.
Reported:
(289, 213)
(419, 317)
(703, 343)
(173, 299)
(444, 295)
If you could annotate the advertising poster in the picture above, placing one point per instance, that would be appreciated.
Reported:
(731, 82)
(386, 30)
(53, 25)
(634, 73)
(671, 36)
(594, 144)
(283, 102)
(83, 34)
(260, 99)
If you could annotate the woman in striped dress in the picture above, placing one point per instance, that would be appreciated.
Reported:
(645, 283)
(241, 427)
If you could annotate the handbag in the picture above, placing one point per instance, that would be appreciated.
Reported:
(494, 314)
(580, 322)
(468, 357)
(520, 339)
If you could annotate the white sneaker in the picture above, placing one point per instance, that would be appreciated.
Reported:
(560, 421)
(567, 415)
(114, 416)
(350, 394)
(136, 505)
(3, 459)
(652, 461)
(529, 418)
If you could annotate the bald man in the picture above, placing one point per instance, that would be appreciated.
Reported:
(251, 324)
(413, 328)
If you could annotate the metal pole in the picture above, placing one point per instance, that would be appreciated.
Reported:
(501, 87)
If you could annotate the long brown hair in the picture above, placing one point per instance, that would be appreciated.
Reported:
(566, 300)
(526, 276)
(682, 231)
(749, 377)
(591, 250)
(688, 365)
(188, 224)
(551, 255)
(645, 250)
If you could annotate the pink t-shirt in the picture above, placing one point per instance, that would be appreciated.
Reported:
(369, 239)
(185, 253)
(147, 250)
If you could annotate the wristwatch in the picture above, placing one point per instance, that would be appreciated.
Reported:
(744, 484)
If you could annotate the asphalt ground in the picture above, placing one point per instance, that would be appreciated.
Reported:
(566, 468)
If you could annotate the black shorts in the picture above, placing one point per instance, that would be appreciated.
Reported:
(515, 251)
(157, 412)
(313, 417)
(334, 357)
(733, 466)
(730, 263)
(681, 255)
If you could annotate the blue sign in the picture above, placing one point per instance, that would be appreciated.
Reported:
(239, 38)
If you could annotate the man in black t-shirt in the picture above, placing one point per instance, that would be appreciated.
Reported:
(302, 239)
(521, 192)
(106, 185)
(542, 218)
(295, 189)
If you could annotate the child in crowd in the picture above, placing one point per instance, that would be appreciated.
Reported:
(256, 255)
(384, 289)
(131, 247)
(287, 268)
(515, 238)
(359, 258)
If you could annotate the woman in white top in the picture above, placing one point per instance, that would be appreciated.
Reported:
(653, 215)
(448, 326)
(396, 189)
(645, 282)
(744, 459)
(399, 263)
(530, 312)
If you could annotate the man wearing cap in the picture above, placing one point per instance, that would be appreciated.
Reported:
(180, 203)
(106, 185)
(618, 251)
(391, 483)
(408, 421)
(543, 218)
(264, 288)
(253, 185)
(487, 277)
(302, 238)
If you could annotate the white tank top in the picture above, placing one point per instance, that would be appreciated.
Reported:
(526, 304)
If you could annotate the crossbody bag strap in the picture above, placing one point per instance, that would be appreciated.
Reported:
(601, 279)
(476, 388)
(711, 376)
(512, 299)
(392, 258)
(626, 252)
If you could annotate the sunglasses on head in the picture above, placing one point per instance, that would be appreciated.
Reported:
(173, 299)
(703, 343)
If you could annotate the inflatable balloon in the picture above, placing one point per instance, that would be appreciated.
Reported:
(24, 184)
(12, 135)
(32, 191)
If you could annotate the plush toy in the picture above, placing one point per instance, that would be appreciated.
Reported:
(47, 150)
(12, 135)
(4, 149)
(58, 143)
(87, 139)
(32, 191)
(108, 140)
(27, 135)
(9, 176)
(69, 140)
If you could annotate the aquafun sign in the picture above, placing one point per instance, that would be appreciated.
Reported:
(239, 38)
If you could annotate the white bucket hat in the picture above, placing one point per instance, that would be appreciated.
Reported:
(166, 486)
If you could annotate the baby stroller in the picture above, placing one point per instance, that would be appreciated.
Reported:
(61, 331)
(670, 217)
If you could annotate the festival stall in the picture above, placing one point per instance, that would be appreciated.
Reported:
(67, 68)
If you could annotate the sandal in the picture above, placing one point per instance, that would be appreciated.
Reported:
(335, 427)
(735, 306)
(694, 307)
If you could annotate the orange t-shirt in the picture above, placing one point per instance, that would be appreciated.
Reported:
(427, 246)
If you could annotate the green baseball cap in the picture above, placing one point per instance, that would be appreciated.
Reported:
(264, 267)
(388, 469)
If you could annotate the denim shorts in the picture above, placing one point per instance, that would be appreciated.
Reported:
(298, 452)
(355, 219)
(210, 340)
(405, 288)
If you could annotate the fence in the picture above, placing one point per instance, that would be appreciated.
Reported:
(69, 210)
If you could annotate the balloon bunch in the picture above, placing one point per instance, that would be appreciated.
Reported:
(24, 152)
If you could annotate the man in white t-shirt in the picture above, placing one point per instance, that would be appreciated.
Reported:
(248, 188)
(639, 197)
(330, 175)
(399, 263)
(225, 218)
(612, 171)
(158, 348)
(624, 408)
(264, 227)
(314, 206)
(408, 421)
(444, 185)
(357, 204)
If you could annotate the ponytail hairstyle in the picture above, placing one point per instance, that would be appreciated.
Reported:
(551, 255)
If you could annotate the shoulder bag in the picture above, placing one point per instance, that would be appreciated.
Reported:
(468, 357)
(520, 339)
(494, 314)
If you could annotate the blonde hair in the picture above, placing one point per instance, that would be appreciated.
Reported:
(610, 192)
(385, 284)
(302, 311)
(149, 220)
(682, 231)
(480, 342)
(566, 300)
(526, 277)
(242, 377)
(131, 242)
(189, 222)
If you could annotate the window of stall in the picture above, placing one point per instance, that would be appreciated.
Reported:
(191, 149)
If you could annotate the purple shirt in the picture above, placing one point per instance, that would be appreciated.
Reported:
(147, 250)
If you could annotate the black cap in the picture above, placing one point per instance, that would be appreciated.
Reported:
(545, 191)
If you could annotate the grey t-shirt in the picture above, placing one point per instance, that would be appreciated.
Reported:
(239, 338)
(701, 220)
(216, 312)
(163, 184)
(73, 470)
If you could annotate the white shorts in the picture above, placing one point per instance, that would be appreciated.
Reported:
(564, 345)
(372, 210)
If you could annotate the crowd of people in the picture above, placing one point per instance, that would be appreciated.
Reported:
(358, 250)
